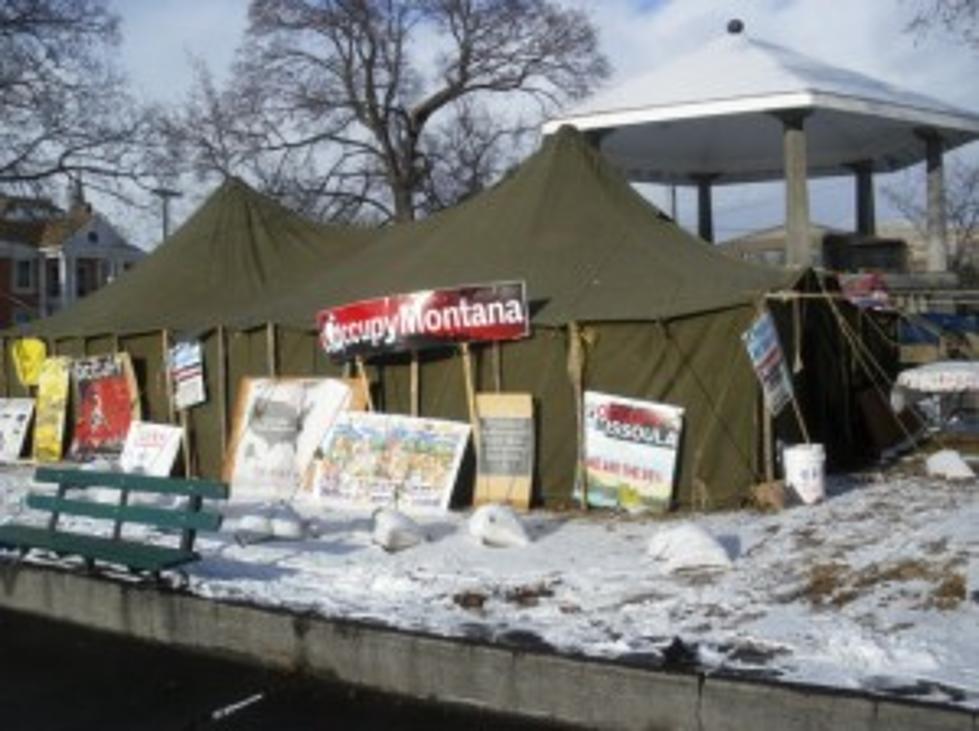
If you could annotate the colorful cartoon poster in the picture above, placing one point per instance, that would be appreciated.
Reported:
(279, 423)
(52, 405)
(150, 449)
(15, 418)
(765, 352)
(372, 460)
(630, 452)
(28, 355)
(187, 374)
(106, 403)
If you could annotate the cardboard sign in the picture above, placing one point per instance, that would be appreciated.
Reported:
(187, 375)
(150, 449)
(765, 352)
(28, 355)
(419, 320)
(374, 460)
(106, 403)
(630, 452)
(52, 404)
(506, 449)
(15, 418)
(278, 424)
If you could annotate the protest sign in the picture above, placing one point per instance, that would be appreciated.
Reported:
(187, 374)
(630, 452)
(278, 424)
(15, 417)
(150, 449)
(375, 460)
(506, 448)
(52, 404)
(28, 355)
(106, 403)
(765, 352)
(427, 319)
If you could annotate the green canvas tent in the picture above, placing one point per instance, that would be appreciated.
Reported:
(659, 314)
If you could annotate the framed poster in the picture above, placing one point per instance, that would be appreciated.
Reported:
(374, 460)
(278, 424)
(106, 403)
(150, 449)
(15, 418)
(52, 405)
(505, 464)
(630, 452)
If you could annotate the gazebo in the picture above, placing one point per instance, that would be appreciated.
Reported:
(741, 109)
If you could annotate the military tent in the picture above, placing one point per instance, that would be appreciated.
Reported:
(659, 312)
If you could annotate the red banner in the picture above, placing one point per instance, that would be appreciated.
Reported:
(429, 319)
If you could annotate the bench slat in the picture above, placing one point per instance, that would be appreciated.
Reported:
(133, 555)
(178, 519)
(136, 483)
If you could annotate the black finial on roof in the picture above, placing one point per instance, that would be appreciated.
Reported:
(735, 26)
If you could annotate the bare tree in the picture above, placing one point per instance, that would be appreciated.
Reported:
(961, 211)
(63, 106)
(958, 17)
(392, 107)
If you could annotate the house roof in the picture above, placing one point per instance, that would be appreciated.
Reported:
(52, 227)
(714, 112)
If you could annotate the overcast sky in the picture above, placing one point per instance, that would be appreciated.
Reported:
(161, 36)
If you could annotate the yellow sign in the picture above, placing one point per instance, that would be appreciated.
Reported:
(29, 354)
(52, 402)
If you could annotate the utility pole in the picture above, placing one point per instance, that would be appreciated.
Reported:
(165, 195)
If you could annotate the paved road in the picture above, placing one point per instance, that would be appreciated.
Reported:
(56, 677)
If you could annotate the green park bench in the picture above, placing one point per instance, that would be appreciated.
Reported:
(186, 518)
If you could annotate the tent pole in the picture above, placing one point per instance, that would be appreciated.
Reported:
(467, 372)
(6, 360)
(576, 368)
(497, 366)
(414, 382)
(223, 387)
(164, 358)
(270, 348)
(766, 436)
(365, 382)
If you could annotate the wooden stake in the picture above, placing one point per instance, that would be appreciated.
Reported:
(165, 344)
(365, 382)
(576, 368)
(497, 366)
(185, 438)
(415, 378)
(7, 358)
(467, 373)
(766, 435)
(270, 348)
(223, 387)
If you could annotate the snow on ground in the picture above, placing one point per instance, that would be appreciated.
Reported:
(875, 588)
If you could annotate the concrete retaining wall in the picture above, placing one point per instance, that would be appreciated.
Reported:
(590, 693)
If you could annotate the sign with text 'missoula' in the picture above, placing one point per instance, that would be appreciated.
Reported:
(428, 319)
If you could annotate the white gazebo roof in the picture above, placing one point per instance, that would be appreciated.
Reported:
(713, 112)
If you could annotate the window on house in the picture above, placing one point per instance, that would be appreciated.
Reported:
(24, 275)
(53, 278)
(93, 237)
(21, 317)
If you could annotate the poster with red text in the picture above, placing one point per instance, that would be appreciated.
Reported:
(106, 403)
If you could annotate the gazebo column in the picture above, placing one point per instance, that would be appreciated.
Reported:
(798, 252)
(705, 205)
(937, 259)
(866, 215)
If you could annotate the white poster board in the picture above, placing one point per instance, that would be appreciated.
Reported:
(374, 460)
(15, 418)
(150, 449)
(630, 452)
(278, 424)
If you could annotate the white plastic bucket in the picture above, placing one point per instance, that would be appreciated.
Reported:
(805, 471)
